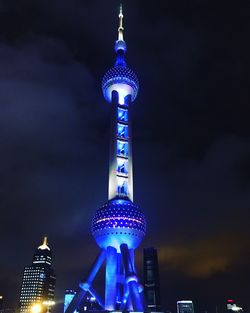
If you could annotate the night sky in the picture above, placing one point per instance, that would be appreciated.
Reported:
(191, 139)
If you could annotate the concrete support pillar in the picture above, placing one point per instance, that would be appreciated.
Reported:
(131, 279)
(86, 284)
(111, 279)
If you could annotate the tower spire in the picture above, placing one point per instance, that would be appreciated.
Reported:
(45, 240)
(120, 28)
(120, 45)
(44, 245)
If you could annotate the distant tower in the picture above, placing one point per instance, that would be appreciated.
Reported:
(151, 279)
(39, 280)
(185, 306)
(119, 225)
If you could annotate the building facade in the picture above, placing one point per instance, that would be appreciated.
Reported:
(38, 284)
(233, 307)
(151, 279)
(1, 304)
(185, 306)
(68, 297)
(89, 303)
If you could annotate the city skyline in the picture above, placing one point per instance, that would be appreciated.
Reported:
(191, 150)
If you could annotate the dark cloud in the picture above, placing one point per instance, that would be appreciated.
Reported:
(205, 257)
(43, 144)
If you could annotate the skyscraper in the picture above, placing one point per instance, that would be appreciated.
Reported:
(119, 226)
(185, 306)
(151, 279)
(39, 280)
(233, 307)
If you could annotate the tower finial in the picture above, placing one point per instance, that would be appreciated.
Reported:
(120, 28)
(120, 43)
(45, 240)
(44, 245)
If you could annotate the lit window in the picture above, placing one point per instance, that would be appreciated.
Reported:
(122, 186)
(122, 148)
(122, 166)
(122, 115)
(122, 131)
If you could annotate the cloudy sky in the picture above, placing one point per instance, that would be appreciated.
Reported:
(191, 139)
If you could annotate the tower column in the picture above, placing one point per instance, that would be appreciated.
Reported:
(112, 192)
(111, 279)
(131, 279)
(121, 167)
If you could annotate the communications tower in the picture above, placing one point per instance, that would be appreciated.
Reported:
(119, 226)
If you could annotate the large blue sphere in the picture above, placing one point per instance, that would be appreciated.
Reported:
(121, 79)
(119, 221)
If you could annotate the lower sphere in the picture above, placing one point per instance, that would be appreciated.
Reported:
(119, 221)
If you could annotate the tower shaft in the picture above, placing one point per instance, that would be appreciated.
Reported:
(121, 168)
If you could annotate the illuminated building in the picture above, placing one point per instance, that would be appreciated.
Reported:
(185, 306)
(38, 283)
(151, 279)
(88, 304)
(232, 306)
(69, 295)
(119, 225)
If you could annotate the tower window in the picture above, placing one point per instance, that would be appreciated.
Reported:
(122, 131)
(122, 148)
(122, 166)
(122, 115)
(122, 186)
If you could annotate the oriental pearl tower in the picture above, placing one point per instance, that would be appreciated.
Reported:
(119, 226)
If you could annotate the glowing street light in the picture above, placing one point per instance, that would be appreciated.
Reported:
(36, 308)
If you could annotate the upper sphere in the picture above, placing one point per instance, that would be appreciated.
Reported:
(121, 79)
(119, 221)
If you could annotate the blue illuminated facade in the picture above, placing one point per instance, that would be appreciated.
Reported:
(118, 226)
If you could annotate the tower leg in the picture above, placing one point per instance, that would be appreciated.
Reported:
(131, 279)
(84, 286)
(120, 279)
(111, 279)
(96, 296)
(132, 258)
(125, 298)
(135, 296)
